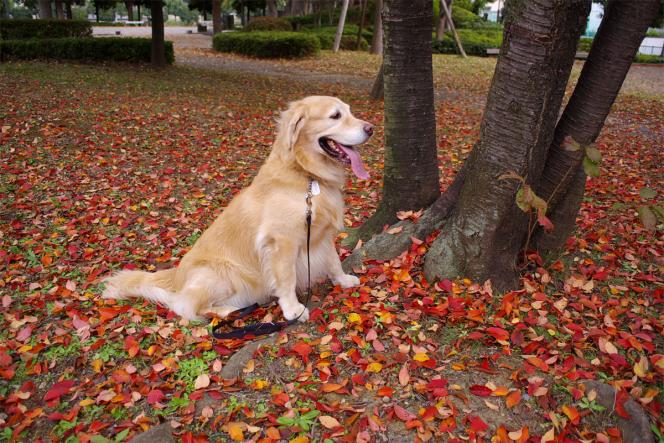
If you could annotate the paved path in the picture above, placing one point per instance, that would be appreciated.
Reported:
(194, 50)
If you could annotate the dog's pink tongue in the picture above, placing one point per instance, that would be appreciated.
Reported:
(355, 162)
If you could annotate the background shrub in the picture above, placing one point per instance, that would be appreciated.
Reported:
(268, 24)
(464, 18)
(349, 30)
(28, 28)
(87, 49)
(645, 58)
(584, 44)
(265, 44)
(474, 41)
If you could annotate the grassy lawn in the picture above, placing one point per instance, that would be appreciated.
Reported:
(107, 166)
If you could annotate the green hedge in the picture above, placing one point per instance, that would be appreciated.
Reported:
(268, 24)
(264, 44)
(348, 42)
(474, 41)
(88, 49)
(463, 18)
(367, 32)
(644, 58)
(28, 28)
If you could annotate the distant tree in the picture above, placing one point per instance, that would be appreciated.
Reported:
(377, 40)
(340, 26)
(45, 10)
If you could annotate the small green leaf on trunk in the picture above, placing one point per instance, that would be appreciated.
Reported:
(591, 168)
(524, 198)
(593, 154)
(647, 193)
(569, 144)
(648, 217)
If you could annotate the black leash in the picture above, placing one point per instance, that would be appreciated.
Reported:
(258, 329)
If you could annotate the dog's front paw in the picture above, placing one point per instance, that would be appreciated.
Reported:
(293, 311)
(346, 281)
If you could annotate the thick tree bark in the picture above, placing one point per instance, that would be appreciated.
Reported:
(216, 16)
(45, 10)
(487, 230)
(618, 39)
(340, 26)
(410, 179)
(272, 8)
(130, 10)
(377, 40)
(442, 21)
(158, 46)
(59, 10)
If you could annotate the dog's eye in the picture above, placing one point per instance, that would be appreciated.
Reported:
(336, 115)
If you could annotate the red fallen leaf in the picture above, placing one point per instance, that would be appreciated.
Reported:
(131, 346)
(385, 391)
(621, 397)
(477, 425)
(155, 396)
(58, 390)
(24, 334)
(280, 399)
(303, 350)
(538, 363)
(501, 433)
(498, 333)
(572, 414)
(403, 414)
(513, 399)
(544, 221)
(481, 391)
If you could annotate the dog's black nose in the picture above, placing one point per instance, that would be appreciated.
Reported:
(368, 128)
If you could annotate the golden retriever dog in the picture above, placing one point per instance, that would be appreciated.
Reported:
(257, 248)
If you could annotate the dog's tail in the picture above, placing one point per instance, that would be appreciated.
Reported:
(154, 286)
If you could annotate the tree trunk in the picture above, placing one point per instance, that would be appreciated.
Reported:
(410, 179)
(45, 10)
(158, 46)
(378, 90)
(69, 13)
(5, 9)
(450, 23)
(340, 26)
(361, 27)
(442, 22)
(138, 11)
(216, 16)
(272, 8)
(96, 12)
(59, 10)
(130, 10)
(487, 230)
(618, 39)
(377, 40)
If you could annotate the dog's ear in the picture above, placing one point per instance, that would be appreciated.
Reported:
(290, 124)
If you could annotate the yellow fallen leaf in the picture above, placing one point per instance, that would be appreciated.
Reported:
(641, 367)
(354, 318)
(420, 357)
(235, 431)
(374, 367)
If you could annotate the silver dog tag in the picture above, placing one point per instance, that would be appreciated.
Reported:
(315, 189)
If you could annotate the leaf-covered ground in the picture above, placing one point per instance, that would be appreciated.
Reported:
(110, 167)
